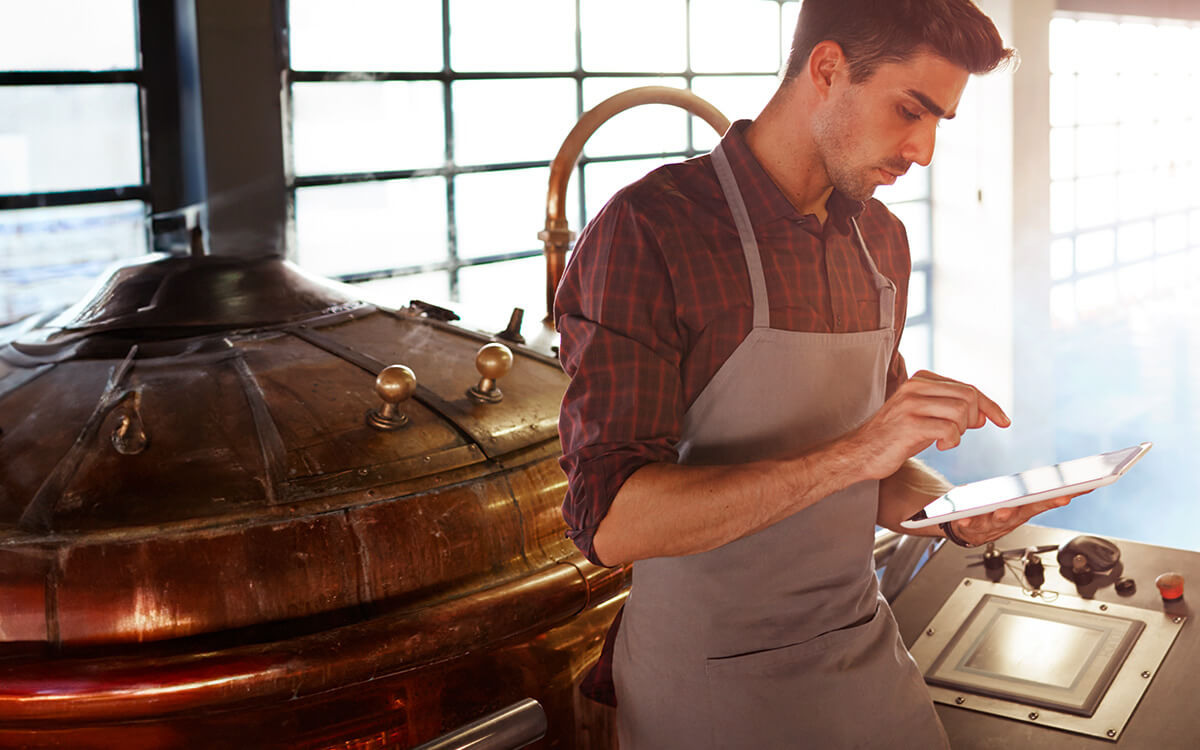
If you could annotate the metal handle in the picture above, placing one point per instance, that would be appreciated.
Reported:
(557, 235)
(515, 726)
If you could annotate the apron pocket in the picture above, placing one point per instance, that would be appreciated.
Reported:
(782, 661)
(846, 688)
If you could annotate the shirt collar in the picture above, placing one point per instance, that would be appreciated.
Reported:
(766, 202)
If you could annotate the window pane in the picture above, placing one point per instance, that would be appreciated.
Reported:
(486, 132)
(1135, 282)
(1062, 99)
(1170, 234)
(1096, 201)
(502, 212)
(433, 287)
(916, 222)
(50, 257)
(1062, 153)
(917, 291)
(606, 178)
(343, 229)
(44, 146)
(914, 345)
(614, 41)
(1097, 105)
(1136, 146)
(68, 35)
(367, 126)
(1097, 149)
(1137, 195)
(1094, 250)
(1138, 43)
(1063, 55)
(737, 97)
(787, 28)
(1135, 241)
(1095, 293)
(734, 37)
(1136, 91)
(490, 35)
(1062, 206)
(1095, 42)
(1062, 263)
(913, 186)
(381, 35)
(1062, 305)
(488, 293)
(645, 129)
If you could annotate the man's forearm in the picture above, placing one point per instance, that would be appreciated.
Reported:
(667, 510)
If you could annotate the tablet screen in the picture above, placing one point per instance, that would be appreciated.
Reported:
(1043, 482)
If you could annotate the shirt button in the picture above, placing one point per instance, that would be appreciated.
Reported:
(839, 321)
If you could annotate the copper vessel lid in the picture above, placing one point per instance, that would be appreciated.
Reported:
(195, 441)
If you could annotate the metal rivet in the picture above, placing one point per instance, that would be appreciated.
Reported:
(960, 700)
(966, 583)
(1103, 607)
(1177, 620)
(1033, 715)
(1146, 674)
(929, 632)
(1111, 733)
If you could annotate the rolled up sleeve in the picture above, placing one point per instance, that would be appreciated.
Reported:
(620, 344)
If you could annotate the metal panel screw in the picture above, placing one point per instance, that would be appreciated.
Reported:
(967, 582)
(1146, 674)
(1033, 715)
(960, 700)
(1177, 620)
(1111, 733)
(1103, 607)
(929, 632)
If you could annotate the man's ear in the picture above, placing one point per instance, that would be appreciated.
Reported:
(825, 64)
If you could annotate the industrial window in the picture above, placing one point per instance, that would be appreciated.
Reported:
(1124, 261)
(72, 177)
(422, 132)
(1125, 163)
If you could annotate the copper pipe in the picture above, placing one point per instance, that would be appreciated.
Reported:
(557, 236)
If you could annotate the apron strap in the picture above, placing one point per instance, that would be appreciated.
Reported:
(741, 218)
(884, 285)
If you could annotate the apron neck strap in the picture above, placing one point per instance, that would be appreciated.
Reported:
(758, 282)
(884, 285)
(741, 218)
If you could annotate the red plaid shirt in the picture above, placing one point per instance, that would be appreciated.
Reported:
(656, 297)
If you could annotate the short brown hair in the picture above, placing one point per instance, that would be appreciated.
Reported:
(872, 32)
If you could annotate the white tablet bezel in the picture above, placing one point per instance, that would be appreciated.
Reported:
(927, 517)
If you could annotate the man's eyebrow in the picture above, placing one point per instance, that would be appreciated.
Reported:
(929, 104)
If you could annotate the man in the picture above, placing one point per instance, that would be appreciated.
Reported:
(739, 417)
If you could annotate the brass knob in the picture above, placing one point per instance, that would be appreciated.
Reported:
(394, 385)
(129, 437)
(493, 362)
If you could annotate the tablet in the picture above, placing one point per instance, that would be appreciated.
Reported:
(1066, 478)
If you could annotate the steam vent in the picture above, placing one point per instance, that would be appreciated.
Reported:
(221, 526)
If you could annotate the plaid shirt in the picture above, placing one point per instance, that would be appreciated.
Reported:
(656, 297)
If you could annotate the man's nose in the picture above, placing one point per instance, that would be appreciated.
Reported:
(919, 146)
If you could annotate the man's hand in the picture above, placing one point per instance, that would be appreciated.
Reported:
(925, 409)
(978, 530)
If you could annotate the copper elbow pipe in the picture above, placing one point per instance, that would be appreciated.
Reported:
(557, 236)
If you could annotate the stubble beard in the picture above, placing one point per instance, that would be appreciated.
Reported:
(832, 135)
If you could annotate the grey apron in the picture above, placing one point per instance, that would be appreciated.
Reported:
(779, 639)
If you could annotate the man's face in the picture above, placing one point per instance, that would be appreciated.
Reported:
(871, 133)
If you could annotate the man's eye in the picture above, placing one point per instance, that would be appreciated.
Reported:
(909, 114)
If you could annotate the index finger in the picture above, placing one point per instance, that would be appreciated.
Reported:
(988, 407)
